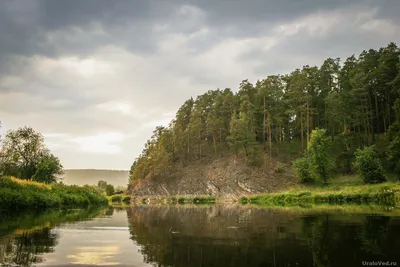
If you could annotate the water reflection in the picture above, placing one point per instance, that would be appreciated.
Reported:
(239, 236)
(26, 248)
(24, 239)
(216, 235)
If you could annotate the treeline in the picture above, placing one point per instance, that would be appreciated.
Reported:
(356, 101)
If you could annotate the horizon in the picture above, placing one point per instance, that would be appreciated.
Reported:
(96, 77)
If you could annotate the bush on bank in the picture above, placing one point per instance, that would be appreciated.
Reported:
(119, 198)
(16, 194)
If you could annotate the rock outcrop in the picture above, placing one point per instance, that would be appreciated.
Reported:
(224, 177)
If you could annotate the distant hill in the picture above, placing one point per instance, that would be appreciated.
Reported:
(91, 177)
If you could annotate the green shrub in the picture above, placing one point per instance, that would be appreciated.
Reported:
(321, 164)
(116, 198)
(126, 199)
(15, 193)
(302, 167)
(369, 166)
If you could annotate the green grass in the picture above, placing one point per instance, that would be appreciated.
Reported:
(342, 190)
(115, 199)
(20, 194)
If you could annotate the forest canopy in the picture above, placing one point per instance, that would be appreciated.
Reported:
(355, 100)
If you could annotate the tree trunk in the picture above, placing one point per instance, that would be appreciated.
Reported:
(308, 123)
(265, 111)
(377, 113)
(200, 145)
(372, 119)
(301, 131)
(270, 136)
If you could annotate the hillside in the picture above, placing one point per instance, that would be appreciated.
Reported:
(355, 102)
(227, 176)
(91, 177)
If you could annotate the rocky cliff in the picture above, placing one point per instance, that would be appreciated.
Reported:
(223, 177)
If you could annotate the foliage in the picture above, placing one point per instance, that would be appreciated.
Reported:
(116, 198)
(369, 166)
(318, 153)
(383, 194)
(126, 199)
(17, 193)
(393, 151)
(316, 163)
(120, 189)
(24, 155)
(47, 170)
(110, 190)
(119, 199)
(302, 167)
(102, 185)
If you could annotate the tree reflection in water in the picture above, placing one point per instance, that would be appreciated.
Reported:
(219, 236)
(26, 238)
(26, 249)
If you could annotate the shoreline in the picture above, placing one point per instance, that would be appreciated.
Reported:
(386, 194)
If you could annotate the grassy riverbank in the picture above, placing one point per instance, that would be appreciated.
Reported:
(345, 190)
(18, 194)
(120, 200)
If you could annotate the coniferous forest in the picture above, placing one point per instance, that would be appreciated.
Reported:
(356, 101)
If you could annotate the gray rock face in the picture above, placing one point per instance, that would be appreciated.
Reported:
(226, 177)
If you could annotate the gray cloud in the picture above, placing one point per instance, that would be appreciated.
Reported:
(52, 28)
(99, 75)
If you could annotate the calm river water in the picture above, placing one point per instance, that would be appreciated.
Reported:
(219, 235)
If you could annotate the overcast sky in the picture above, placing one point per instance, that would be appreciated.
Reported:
(96, 76)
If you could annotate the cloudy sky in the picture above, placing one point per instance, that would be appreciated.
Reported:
(96, 76)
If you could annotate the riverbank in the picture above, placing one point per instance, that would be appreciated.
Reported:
(338, 193)
(176, 200)
(20, 194)
(341, 190)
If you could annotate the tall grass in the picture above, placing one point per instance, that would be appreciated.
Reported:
(382, 194)
(18, 194)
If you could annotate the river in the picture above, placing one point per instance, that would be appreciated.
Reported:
(188, 235)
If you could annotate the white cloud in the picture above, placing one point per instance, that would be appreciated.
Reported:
(100, 143)
(121, 107)
(55, 135)
(86, 67)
